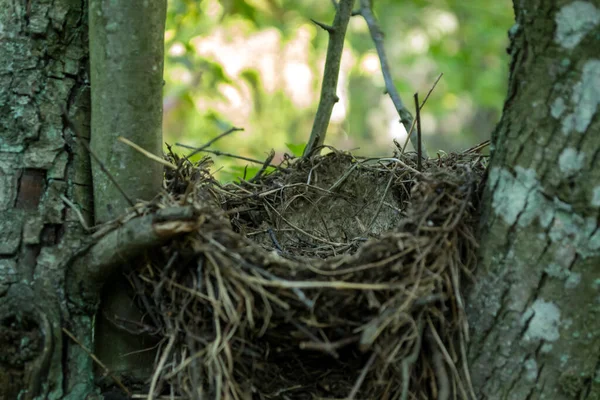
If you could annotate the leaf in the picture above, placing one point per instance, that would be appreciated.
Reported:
(240, 8)
(234, 172)
(296, 149)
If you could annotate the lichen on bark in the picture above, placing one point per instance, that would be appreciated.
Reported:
(533, 301)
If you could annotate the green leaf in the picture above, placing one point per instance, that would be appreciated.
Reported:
(240, 8)
(234, 172)
(296, 149)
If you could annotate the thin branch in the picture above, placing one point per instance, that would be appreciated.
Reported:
(420, 108)
(264, 167)
(160, 366)
(441, 375)
(97, 361)
(419, 141)
(221, 153)
(76, 211)
(323, 26)
(361, 377)
(409, 361)
(91, 269)
(146, 153)
(405, 116)
(329, 97)
(67, 121)
(210, 142)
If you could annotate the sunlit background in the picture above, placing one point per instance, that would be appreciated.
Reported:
(257, 64)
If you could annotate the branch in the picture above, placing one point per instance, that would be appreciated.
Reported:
(102, 259)
(126, 73)
(95, 157)
(405, 116)
(210, 142)
(419, 141)
(337, 33)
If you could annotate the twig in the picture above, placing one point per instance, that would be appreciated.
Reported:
(161, 364)
(405, 117)
(419, 141)
(297, 291)
(443, 382)
(465, 366)
(77, 212)
(210, 142)
(361, 377)
(412, 358)
(328, 347)
(97, 361)
(385, 192)
(337, 285)
(266, 164)
(420, 108)
(447, 358)
(337, 32)
(146, 152)
(432, 88)
(477, 148)
(323, 26)
(91, 270)
(67, 121)
(392, 159)
(274, 239)
(302, 230)
(221, 153)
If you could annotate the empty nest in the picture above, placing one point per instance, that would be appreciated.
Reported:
(332, 277)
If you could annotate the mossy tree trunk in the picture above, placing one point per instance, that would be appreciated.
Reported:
(535, 309)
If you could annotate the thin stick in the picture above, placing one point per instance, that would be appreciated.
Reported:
(145, 152)
(221, 153)
(409, 361)
(161, 364)
(443, 381)
(82, 140)
(77, 212)
(361, 377)
(210, 142)
(447, 358)
(405, 116)
(97, 361)
(420, 108)
(328, 98)
(419, 154)
(266, 164)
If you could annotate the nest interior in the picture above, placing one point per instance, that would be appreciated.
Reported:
(333, 277)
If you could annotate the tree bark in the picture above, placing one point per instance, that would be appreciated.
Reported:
(534, 310)
(127, 57)
(43, 48)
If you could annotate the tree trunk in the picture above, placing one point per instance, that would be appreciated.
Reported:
(534, 310)
(43, 72)
(127, 53)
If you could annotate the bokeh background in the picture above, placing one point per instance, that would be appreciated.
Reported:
(257, 64)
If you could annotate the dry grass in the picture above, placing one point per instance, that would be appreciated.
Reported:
(331, 278)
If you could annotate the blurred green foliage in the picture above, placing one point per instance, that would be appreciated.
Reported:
(257, 64)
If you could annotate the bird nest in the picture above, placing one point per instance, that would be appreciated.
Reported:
(333, 277)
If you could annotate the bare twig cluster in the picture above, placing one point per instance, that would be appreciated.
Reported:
(330, 77)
